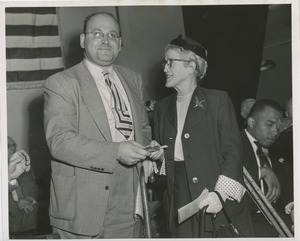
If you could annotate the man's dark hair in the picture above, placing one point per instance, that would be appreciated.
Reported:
(87, 19)
(260, 105)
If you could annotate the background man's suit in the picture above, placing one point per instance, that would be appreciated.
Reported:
(279, 168)
(79, 139)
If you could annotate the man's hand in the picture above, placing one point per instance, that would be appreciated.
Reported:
(156, 155)
(27, 204)
(130, 153)
(213, 202)
(17, 164)
(270, 178)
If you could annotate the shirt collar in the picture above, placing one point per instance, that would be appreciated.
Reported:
(252, 140)
(95, 69)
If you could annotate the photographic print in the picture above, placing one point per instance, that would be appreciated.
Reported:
(149, 120)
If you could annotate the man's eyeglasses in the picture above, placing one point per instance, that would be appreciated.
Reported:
(100, 35)
(169, 62)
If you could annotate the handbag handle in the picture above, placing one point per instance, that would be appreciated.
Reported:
(224, 207)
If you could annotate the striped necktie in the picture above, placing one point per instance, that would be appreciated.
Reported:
(123, 121)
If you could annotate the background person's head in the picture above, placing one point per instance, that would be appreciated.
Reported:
(11, 147)
(184, 59)
(289, 108)
(101, 39)
(246, 107)
(264, 120)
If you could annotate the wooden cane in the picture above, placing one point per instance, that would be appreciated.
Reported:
(202, 222)
(145, 204)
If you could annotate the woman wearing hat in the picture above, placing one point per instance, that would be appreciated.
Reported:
(204, 148)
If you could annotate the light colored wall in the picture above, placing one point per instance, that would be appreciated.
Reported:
(146, 30)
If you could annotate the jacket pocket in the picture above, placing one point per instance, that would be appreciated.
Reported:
(63, 197)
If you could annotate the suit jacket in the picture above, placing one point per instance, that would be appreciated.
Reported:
(280, 169)
(211, 145)
(79, 139)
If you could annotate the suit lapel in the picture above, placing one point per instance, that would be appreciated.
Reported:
(93, 101)
(248, 147)
(133, 99)
(249, 153)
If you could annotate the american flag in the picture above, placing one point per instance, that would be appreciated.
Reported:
(33, 44)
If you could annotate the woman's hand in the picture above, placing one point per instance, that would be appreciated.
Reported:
(157, 152)
(27, 204)
(213, 202)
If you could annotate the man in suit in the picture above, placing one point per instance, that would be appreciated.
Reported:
(96, 128)
(260, 134)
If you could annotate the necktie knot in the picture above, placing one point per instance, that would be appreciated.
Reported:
(105, 72)
(258, 144)
(106, 77)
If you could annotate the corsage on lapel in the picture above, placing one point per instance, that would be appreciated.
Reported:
(199, 103)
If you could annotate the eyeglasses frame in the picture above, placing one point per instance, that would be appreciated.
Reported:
(169, 62)
(108, 35)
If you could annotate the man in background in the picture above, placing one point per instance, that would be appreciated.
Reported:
(23, 196)
(283, 147)
(96, 128)
(266, 169)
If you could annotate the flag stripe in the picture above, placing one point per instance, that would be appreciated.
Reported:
(32, 53)
(30, 19)
(31, 30)
(33, 64)
(42, 10)
(33, 45)
(32, 42)
(17, 76)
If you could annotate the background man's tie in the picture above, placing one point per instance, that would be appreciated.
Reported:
(122, 116)
(264, 162)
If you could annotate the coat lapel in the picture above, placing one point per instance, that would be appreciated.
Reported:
(197, 110)
(172, 111)
(93, 101)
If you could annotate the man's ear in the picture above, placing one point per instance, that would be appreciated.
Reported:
(250, 122)
(82, 38)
